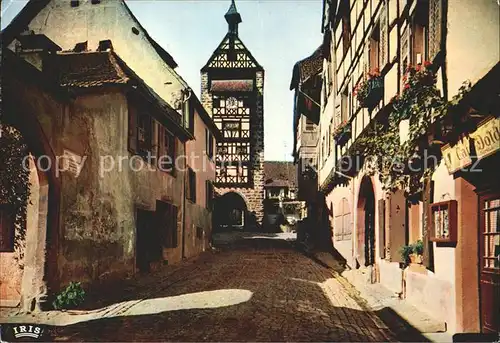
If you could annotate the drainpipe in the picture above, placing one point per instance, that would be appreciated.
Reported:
(184, 179)
(183, 239)
(184, 207)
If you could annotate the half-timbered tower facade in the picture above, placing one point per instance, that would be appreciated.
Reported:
(232, 86)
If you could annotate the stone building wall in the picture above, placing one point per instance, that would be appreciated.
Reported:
(97, 228)
(198, 212)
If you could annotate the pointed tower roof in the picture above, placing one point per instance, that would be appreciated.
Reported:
(233, 18)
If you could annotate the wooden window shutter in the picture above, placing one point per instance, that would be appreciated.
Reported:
(161, 143)
(209, 194)
(405, 52)
(381, 222)
(132, 130)
(207, 137)
(435, 27)
(174, 227)
(384, 38)
(155, 130)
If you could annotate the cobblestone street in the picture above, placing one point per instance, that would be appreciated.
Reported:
(254, 289)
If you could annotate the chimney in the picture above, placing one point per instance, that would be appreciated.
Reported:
(80, 47)
(105, 45)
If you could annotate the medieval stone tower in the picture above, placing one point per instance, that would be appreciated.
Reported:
(232, 89)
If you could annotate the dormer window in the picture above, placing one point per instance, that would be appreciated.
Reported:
(75, 3)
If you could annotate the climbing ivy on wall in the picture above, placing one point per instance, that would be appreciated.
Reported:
(14, 182)
(401, 165)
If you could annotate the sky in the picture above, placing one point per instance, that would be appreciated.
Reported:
(278, 33)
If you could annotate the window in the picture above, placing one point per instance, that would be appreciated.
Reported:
(330, 137)
(443, 221)
(490, 235)
(209, 143)
(346, 25)
(231, 129)
(188, 115)
(405, 50)
(420, 44)
(328, 134)
(328, 82)
(140, 133)
(309, 125)
(435, 15)
(323, 149)
(199, 233)
(144, 135)
(384, 38)
(342, 223)
(344, 111)
(167, 223)
(191, 185)
(166, 152)
(209, 201)
(374, 47)
(7, 228)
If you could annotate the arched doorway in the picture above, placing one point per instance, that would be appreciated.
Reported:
(23, 272)
(32, 275)
(366, 223)
(230, 212)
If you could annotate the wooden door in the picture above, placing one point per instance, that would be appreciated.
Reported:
(144, 239)
(370, 230)
(489, 242)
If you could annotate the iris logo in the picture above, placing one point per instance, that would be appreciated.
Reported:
(31, 331)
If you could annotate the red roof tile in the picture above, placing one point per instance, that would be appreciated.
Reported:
(89, 69)
(280, 174)
(232, 86)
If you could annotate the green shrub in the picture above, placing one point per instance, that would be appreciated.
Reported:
(418, 247)
(405, 251)
(72, 297)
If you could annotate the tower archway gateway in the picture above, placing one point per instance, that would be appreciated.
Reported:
(230, 212)
(366, 223)
(232, 87)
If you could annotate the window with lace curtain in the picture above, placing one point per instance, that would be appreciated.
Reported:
(435, 23)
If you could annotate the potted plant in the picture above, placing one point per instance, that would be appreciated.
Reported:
(342, 133)
(405, 251)
(370, 90)
(418, 251)
(418, 83)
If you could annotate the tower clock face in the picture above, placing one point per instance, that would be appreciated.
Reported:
(231, 103)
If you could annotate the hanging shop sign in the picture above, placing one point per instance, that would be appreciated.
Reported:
(486, 140)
